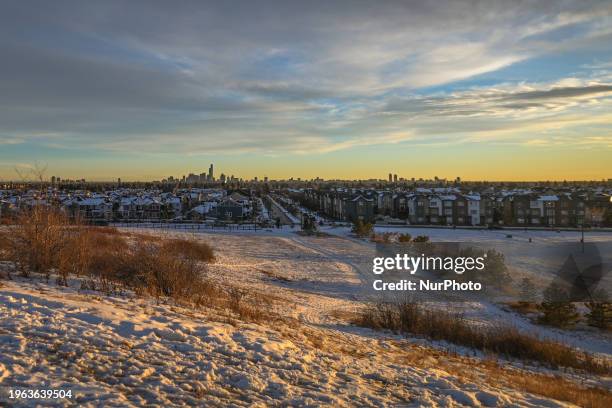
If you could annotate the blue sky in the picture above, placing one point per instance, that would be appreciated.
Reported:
(348, 89)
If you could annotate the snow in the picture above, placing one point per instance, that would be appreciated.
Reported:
(282, 209)
(130, 351)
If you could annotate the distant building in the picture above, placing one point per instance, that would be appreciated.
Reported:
(359, 208)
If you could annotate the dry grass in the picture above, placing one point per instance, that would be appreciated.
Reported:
(413, 319)
(554, 387)
(524, 308)
(466, 369)
(275, 276)
(249, 305)
(45, 241)
(559, 389)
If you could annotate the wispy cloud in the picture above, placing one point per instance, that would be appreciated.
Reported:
(283, 77)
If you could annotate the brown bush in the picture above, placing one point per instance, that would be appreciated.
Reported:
(37, 239)
(411, 318)
(45, 241)
(110, 261)
(248, 306)
(5, 245)
(404, 238)
(189, 248)
(524, 307)
(74, 257)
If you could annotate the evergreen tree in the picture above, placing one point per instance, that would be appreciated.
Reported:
(527, 291)
(557, 308)
(308, 224)
(600, 311)
(495, 267)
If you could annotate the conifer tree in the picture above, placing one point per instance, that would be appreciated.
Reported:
(600, 311)
(557, 308)
(527, 291)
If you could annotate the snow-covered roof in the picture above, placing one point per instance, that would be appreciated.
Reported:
(450, 197)
(548, 198)
(362, 197)
(91, 202)
(204, 208)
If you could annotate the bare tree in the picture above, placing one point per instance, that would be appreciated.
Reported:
(35, 172)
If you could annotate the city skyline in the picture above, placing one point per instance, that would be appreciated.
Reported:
(512, 91)
(34, 173)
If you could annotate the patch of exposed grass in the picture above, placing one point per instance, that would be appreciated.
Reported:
(524, 308)
(412, 319)
(554, 387)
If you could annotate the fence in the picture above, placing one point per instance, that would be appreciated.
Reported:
(188, 226)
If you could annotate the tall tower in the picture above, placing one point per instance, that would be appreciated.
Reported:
(211, 174)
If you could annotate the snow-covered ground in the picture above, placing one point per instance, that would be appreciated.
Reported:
(129, 351)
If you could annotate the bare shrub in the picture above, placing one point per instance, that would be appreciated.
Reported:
(524, 308)
(37, 239)
(362, 229)
(190, 248)
(384, 238)
(164, 273)
(248, 306)
(411, 318)
(5, 246)
(74, 257)
(45, 241)
(404, 238)
(110, 261)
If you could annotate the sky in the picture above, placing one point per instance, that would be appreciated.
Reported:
(484, 90)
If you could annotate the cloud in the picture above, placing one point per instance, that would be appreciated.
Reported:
(280, 77)
(565, 92)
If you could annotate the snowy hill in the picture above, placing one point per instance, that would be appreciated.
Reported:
(124, 350)
(129, 352)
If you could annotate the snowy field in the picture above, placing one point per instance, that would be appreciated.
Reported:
(129, 351)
